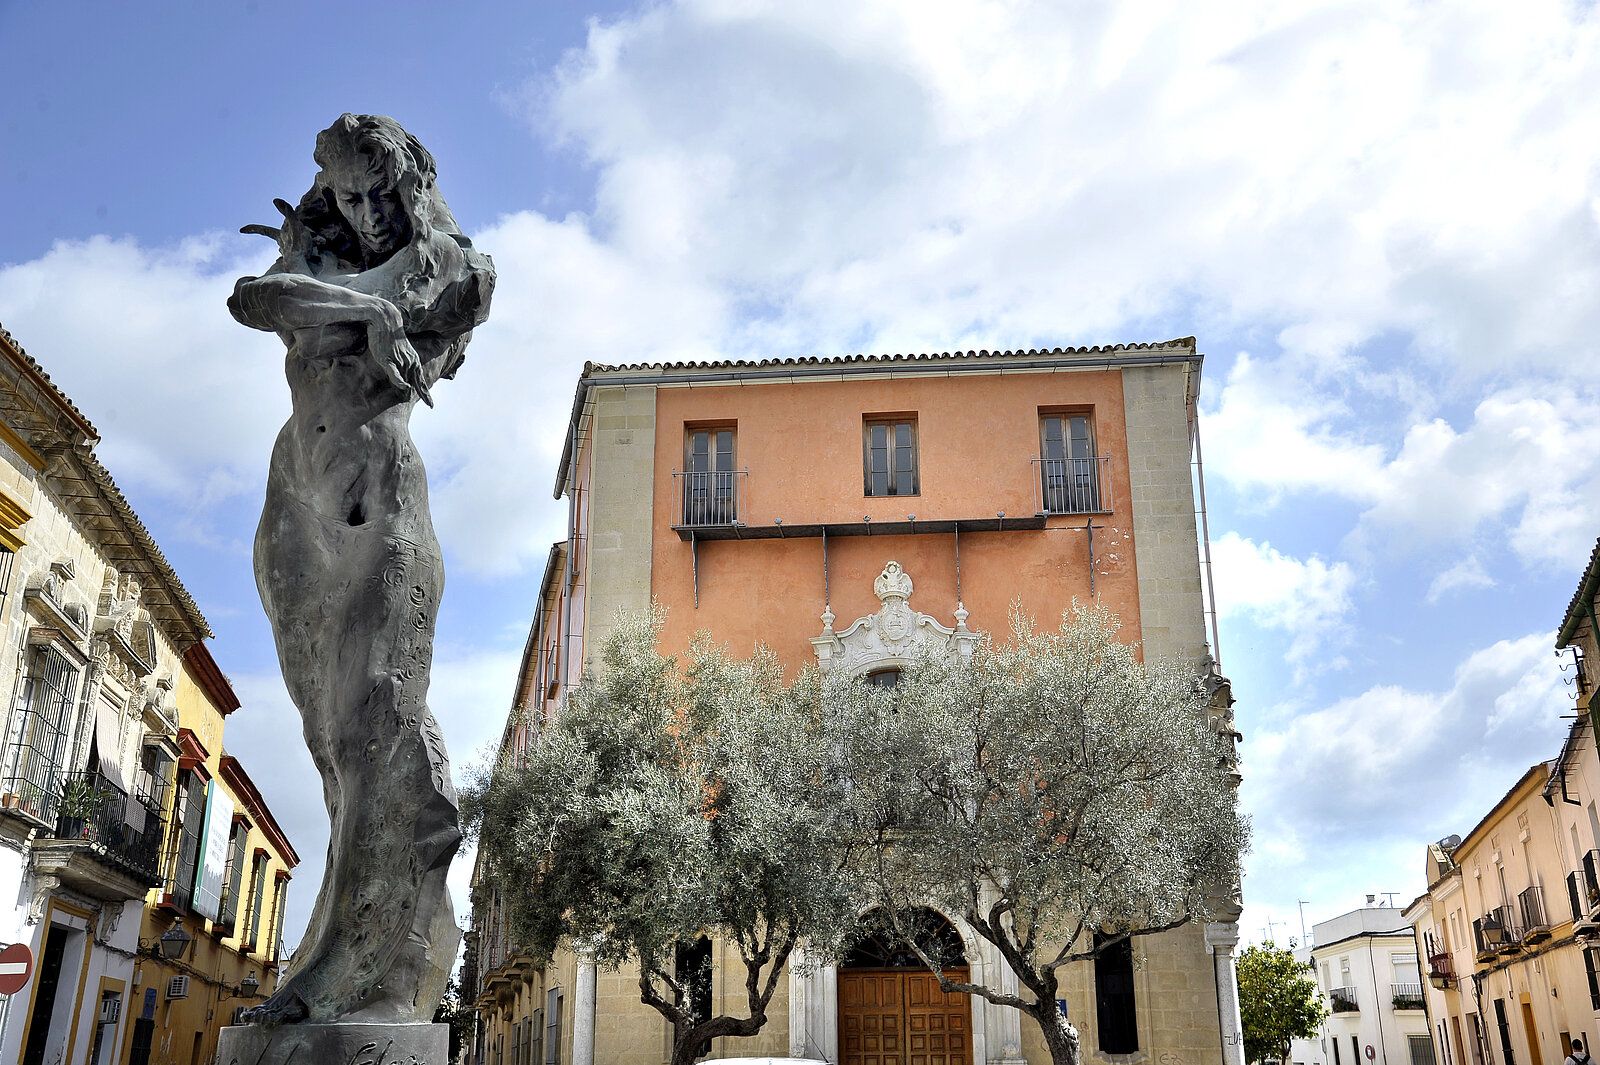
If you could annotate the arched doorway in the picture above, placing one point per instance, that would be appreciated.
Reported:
(891, 1009)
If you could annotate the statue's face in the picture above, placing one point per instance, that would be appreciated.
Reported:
(373, 209)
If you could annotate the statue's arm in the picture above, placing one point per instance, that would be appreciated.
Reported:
(282, 302)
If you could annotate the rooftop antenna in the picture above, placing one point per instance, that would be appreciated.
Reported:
(1271, 924)
(1390, 896)
(1303, 937)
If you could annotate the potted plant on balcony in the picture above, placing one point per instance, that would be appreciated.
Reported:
(80, 799)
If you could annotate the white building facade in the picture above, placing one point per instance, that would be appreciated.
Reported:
(1365, 964)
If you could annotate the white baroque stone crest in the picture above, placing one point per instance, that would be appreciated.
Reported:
(895, 636)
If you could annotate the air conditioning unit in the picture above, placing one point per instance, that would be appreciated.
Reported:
(178, 987)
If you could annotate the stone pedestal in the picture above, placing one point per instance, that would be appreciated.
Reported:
(335, 1044)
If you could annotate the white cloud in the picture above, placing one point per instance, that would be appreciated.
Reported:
(1276, 431)
(890, 176)
(1374, 776)
(1465, 574)
(1307, 600)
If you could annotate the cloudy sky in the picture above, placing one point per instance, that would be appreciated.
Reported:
(1381, 219)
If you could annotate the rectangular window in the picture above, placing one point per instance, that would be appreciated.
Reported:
(710, 480)
(233, 876)
(280, 889)
(191, 817)
(1069, 469)
(1478, 1043)
(1421, 1049)
(38, 741)
(516, 1043)
(536, 1047)
(1115, 1009)
(1504, 1025)
(1336, 1060)
(1594, 981)
(692, 970)
(552, 1026)
(258, 891)
(889, 456)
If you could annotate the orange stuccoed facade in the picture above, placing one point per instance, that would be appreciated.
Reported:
(761, 502)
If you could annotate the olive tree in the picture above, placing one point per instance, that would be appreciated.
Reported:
(1278, 1002)
(1060, 796)
(669, 801)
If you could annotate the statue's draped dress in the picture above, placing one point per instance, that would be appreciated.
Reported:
(350, 574)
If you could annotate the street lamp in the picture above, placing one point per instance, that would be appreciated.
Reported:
(250, 985)
(174, 941)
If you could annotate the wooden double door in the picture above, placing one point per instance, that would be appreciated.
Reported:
(901, 1017)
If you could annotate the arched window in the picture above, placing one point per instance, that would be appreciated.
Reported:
(884, 678)
(878, 946)
(1114, 1002)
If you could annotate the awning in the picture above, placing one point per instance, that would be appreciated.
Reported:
(108, 741)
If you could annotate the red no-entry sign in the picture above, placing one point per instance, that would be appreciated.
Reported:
(16, 965)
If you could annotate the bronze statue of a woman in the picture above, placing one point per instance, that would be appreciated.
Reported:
(375, 295)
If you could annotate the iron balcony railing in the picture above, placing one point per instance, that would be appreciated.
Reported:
(1441, 969)
(1505, 917)
(1591, 881)
(709, 499)
(1574, 894)
(1074, 486)
(1343, 1000)
(1535, 923)
(1406, 996)
(124, 831)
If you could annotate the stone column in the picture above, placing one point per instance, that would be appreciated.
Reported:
(1005, 1023)
(583, 1009)
(1221, 939)
(797, 1004)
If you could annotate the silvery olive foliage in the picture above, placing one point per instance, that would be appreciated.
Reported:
(668, 801)
(1055, 793)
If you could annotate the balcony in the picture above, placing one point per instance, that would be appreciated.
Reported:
(1406, 996)
(1583, 926)
(708, 499)
(1511, 926)
(1441, 970)
(1343, 1000)
(105, 843)
(1074, 486)
(1535, 924)
(1590, 883)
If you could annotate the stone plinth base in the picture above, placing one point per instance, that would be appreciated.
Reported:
(335, 1044)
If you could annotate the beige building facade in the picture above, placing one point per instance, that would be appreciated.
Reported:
(764, 502)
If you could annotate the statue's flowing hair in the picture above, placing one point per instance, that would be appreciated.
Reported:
(377, 144)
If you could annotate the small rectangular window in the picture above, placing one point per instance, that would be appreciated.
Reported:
(552, 1027)
(889, 457)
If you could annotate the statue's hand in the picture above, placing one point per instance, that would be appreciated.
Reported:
(396, 357)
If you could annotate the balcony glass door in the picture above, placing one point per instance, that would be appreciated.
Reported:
(1071, 478)
(708, 490)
